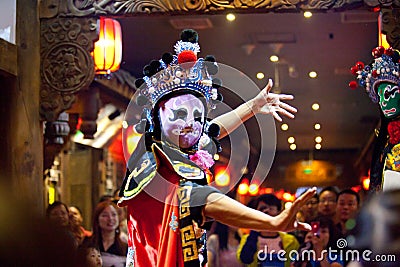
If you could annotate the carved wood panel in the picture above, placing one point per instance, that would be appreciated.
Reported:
(76, 8)
(391, 26)
(81, 8)
(66, 63)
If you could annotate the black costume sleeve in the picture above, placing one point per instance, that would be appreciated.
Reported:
(198, 199)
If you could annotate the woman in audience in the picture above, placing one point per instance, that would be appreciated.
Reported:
(222, 246)
(106, 235)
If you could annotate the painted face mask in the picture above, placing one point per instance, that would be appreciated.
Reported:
(389, 99)
(182, 120)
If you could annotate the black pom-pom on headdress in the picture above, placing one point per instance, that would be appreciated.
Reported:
(140, 127)
(216, 83)
(210, 64)
(167, 58)
(210, 58)
(213, 130)
(212, 68)
(152, 68)
(147, 71)
(139, 82)
(155, 65)
(189, 35)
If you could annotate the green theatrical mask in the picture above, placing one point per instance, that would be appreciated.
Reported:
(389, 99)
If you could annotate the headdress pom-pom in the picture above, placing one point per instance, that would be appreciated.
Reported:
(353, 85)
(167, 58)
(187, 56)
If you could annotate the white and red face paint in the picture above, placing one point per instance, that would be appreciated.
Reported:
(182, 120)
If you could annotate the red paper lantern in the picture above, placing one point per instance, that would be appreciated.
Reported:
(107, 52)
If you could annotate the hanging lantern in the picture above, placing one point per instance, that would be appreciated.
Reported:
(107, 53)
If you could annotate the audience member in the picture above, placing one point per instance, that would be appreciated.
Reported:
(222, 245)
(76, 221)
(327, 202)
(320, 245)
(123, 222)
(88, 256)
(348, 203)
(57, 214)
(310, 209)
(106, 235)
(262, 248)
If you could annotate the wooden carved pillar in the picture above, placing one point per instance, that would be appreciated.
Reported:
(391, 26)
(66, 63)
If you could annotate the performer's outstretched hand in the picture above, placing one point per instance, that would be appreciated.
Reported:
(286, 220)
(231, 212)
(269, 103)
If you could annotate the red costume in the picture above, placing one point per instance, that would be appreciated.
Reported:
(161, 232)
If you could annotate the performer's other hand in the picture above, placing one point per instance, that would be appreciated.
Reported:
(269, 103)
(286, 220)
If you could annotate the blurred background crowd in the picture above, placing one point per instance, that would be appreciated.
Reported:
(341, 221)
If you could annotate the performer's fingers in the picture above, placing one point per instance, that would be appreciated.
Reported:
(276, 116)
(285, 112)
(285, 97)
(301, 200)
(269, 86)
(288, 107)
(302, 226)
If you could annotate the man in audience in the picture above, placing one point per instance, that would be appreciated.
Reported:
(265, 248)
(327, 202)
(348, 204)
